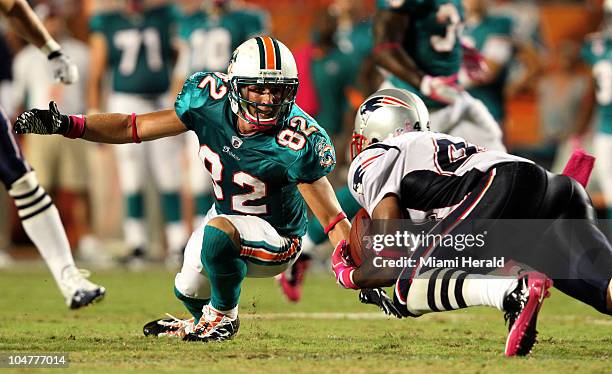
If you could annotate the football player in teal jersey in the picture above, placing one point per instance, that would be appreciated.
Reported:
(209, 31)
(135, 44)
(267, 158)
(492, 35)
(418, 43)
(597, 52)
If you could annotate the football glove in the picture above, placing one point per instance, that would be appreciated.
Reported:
(342, 265)
(442, 89)
(378, 297)
(40, 121)
(64, 70)
(474, 69)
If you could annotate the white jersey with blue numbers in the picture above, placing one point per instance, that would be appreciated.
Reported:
(420, 167)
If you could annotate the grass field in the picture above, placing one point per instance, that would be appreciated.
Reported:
(329, 331)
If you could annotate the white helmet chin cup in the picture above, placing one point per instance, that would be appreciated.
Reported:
(258, 61)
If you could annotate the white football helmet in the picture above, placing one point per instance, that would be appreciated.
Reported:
(387, 113)
(263, 61)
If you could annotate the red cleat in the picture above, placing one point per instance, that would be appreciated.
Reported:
(291, 280)
(522, 307)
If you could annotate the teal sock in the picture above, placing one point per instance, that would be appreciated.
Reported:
(349, 206)
(202, 203)
(134, 205)
(194, 306)
(225, 268)
(171, 206)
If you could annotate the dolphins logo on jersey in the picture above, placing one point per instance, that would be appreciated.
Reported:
(326, 154)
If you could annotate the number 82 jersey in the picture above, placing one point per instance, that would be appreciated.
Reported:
(256, 174)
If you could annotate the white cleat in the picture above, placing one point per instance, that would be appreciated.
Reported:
(79, 291)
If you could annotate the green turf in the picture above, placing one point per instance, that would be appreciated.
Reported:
(285, 337)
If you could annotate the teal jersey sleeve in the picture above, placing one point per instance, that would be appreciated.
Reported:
(504, 26)
(317, 158)
(96, 23)
(586, 51)
(201, 92)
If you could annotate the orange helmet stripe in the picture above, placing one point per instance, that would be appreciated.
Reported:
(270, 54)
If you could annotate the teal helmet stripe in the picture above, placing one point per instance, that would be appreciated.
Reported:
(262, 53)
(277, 54)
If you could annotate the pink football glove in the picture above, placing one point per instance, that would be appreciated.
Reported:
(341, 267)
(473, 66)
(442, 89)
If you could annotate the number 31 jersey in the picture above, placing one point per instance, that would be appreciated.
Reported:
(432, 38)
(430, 172)
(257, 174)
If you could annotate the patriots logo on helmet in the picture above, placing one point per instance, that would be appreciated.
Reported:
(381, 101)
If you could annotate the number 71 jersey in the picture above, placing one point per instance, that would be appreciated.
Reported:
(257, 174)
(430, 172)
(139, 48)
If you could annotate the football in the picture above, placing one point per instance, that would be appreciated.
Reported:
(360, 225)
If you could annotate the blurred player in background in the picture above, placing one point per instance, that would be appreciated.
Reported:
(62, 166)
(419, 44)
(268, 160)
(597, 52)
(39, 216)
(135, 44)
(492, 35)
(209, 31)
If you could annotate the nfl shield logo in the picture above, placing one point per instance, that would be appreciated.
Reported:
(236, 143)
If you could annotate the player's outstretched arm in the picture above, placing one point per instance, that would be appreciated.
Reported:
(102, 128)
(389, 29)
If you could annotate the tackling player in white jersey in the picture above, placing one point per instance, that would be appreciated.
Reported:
(403, 170)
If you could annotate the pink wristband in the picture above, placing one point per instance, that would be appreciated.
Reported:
(77, 126)
(345, 278)
(135, 137)
(384, 46)
(334, 222)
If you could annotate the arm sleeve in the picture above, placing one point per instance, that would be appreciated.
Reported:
(96, 23)
(585, 52)
(316, 160)
(182, 105)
